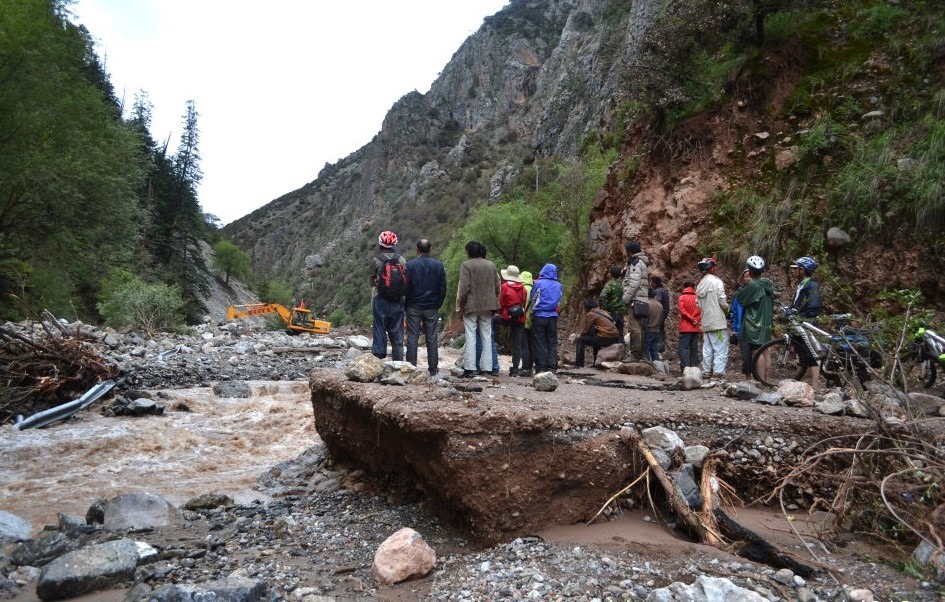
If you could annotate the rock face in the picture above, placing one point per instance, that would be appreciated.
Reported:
(533, 80)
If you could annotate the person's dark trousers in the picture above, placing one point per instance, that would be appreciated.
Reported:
(546, 343)
(388, 318)
(528, 350)
(594, 342)
(517, 332)
(662, 341)
(430, 320)
(689, 350)
(653, 346)
(618, 322)
(745, 349)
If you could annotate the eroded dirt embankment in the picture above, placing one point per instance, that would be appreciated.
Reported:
(510, 460)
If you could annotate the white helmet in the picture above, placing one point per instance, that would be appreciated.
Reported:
(755, 262)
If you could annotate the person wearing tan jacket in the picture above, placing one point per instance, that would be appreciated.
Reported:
(477, 298)
(710, 295)
(599, 331)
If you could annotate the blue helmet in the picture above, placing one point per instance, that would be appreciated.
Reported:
(808, 264)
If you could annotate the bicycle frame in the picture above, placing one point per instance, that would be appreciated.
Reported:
(834, 352)
(934, 342)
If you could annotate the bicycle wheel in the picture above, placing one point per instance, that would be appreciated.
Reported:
(785, 361)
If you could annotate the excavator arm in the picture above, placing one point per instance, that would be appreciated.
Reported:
(297, 320)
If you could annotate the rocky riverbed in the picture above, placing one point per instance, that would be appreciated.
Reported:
(313, 531)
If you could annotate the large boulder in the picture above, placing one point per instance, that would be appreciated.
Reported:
(402, 556)
(232, 589)
(365, 368)
(139, 511)
(704, 589)
(12, 527)
(93, 568)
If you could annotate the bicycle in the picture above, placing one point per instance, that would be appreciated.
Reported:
(924, 356)
(846, 351)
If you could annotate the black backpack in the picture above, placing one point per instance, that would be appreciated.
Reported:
(391, 278)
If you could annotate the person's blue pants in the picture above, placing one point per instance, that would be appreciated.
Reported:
(388, 321)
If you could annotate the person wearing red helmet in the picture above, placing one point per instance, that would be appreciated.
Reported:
(710, 295)
(389, 278)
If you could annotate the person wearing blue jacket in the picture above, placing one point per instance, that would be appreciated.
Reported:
(546, 296)
(736, 315)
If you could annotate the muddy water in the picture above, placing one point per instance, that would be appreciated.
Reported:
(221, 446)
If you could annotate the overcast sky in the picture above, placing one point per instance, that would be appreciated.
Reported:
(282, 87)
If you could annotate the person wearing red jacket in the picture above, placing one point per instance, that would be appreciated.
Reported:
(689, 319)
(513, 300)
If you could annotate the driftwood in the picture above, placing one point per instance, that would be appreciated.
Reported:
(678, 504)
(40, 372)
(714, 526)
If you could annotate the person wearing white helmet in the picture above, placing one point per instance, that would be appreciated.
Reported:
(757, 299)
(710, 295)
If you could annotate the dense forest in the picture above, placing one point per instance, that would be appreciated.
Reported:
(93, 209)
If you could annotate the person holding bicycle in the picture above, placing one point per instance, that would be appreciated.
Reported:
(807, 296)
(757, 301)
(807, 303)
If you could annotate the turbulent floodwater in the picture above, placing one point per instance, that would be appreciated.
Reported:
(221, 446)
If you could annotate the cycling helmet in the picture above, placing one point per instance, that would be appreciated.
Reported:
(808, 264)
(387, 239)
(755, 262)
(706, 264)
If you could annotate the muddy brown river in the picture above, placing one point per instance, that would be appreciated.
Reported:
(222, 445)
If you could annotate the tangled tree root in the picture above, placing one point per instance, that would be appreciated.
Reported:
(41, 371)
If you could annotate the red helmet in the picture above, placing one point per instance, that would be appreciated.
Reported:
(706, 264)
(387, 239)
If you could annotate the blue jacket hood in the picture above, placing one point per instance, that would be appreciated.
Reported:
(549, 271)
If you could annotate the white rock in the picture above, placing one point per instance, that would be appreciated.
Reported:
(402, 555)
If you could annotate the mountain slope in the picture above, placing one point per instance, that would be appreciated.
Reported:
(743, 128)
(533, 81)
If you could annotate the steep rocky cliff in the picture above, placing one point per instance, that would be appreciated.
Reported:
(533, 81)
(727, 147)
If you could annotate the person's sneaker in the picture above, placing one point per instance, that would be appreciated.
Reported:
(468, 374)
(525, 373)
(513, 372)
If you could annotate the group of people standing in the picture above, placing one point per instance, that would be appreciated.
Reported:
(750, 316)
(528, 307)
(630, 291)
(413, 292)
(632, 307)
(704, 311)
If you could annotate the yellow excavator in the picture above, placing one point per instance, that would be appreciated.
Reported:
(299, 319)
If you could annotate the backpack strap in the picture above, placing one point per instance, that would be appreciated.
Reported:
(604, 314)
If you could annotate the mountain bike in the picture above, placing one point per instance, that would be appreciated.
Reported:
(846, 352)
(922, 361)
